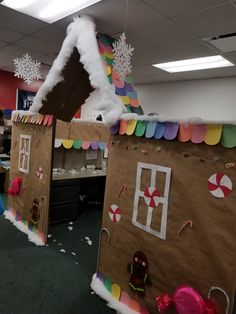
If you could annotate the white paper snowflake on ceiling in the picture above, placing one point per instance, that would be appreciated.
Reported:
(122, 56)
(27, 68)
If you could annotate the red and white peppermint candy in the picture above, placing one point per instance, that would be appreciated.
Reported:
(151, 196)
(114, 213)
(40, 172)
(219, 185)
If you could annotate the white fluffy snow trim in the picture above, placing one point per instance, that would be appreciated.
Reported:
(100, 290)
(22, 227)
(162, 118)
(81, 34)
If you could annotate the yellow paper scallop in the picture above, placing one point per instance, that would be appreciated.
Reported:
(67, 143)
(116, 291)
(125, 99)
(131, 127)
(109, 55)
(213, 134)
(108, 70)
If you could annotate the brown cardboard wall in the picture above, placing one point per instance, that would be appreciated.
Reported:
(86, 131)
(202, 256)
(32, 187)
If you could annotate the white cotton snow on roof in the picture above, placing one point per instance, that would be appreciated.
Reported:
(82, 35)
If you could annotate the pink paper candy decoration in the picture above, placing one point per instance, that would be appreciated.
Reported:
(188, 300)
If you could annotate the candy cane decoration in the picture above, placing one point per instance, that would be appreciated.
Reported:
(40, 173)
(123, 188)
(151, 197)
(114, 213)
(219, 185)
(187, 223)
(225, 294)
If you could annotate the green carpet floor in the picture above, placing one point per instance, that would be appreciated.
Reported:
(46, 280)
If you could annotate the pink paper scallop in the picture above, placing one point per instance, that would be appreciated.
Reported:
(124, 298)
(105, 47)
(198, 133)
(116, 80)
(86, 144)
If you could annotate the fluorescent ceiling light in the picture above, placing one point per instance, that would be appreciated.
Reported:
(194, 64)
(48, 11)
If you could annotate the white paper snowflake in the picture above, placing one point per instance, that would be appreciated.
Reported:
(122, 56)
(27, 68)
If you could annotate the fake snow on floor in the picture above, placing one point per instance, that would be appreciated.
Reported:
(90, 242)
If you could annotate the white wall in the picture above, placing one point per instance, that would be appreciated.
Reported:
(213, 99)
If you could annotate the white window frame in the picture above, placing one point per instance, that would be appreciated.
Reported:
(162, 200)
(22, 150)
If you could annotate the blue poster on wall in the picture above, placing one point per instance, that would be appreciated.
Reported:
(24, 99)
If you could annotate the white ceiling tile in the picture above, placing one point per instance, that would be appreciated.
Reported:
(210, 22)
(231, 56)
(179, 7)
(9, 68)
(29, 42)
(9, 36)
(196, 75)
(187, 50)
(158, 34)
(111, 15)
(16, 51)
(51, 33)
(5, 59)
(222, 72)
(19, 22)
(3, 44)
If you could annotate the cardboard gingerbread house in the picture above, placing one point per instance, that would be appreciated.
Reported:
(169, 205)
(167, 235)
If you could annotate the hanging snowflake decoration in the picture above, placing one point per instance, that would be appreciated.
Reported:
(122, 56)
(27, 68)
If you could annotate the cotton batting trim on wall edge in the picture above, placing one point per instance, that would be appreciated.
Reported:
(197, 133)
(98, 287)
(32, 236)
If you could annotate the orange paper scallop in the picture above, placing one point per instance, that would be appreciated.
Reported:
(185, 132)
(116, 80)
(134, 102)
(133, 305)
(123, 127)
